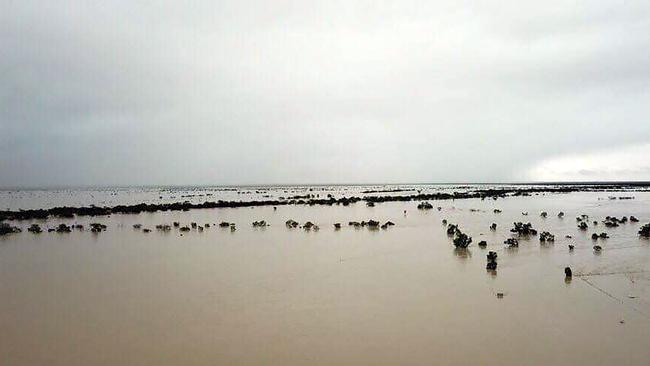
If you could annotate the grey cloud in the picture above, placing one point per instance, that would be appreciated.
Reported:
(224, 92)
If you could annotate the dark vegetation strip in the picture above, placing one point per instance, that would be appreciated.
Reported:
(345, 201)
(387, 191)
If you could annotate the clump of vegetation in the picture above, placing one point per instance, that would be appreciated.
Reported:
(492, 256)
(260, 223)
(462, 240)
(491, 261)
(164, 227)
(451, 229)
(35, 229)
(595, 236)
(545, 236)
(373, 223)
(511, 242)
(387, 224)
(523, 229)
(308, 225)
(544, 214)
(645, 231)
(63, 228)
(493, 227)
(8, 229)
(612, 221)
(583, 225)
(97, 227)
(425, 206)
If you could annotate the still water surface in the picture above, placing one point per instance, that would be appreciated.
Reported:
(277, 296)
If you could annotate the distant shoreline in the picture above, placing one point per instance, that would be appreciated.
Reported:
(280, 185)
(69, 212)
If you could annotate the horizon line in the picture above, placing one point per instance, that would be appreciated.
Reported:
(253, 185)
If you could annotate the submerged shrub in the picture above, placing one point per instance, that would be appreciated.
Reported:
(523, 229)
(645, 231)
(8, 229)
(462, 240)
(545, 236)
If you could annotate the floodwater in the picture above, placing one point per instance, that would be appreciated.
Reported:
(279, 296)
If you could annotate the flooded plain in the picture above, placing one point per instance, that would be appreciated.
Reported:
(355, 296)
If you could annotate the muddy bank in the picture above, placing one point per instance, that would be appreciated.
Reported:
(302, 200)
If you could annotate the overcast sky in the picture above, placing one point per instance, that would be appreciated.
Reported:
(248, 92)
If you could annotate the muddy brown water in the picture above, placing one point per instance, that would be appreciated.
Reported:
(276, 296)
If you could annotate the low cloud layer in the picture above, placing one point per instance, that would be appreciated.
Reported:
(624, 164)
(245, 92)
